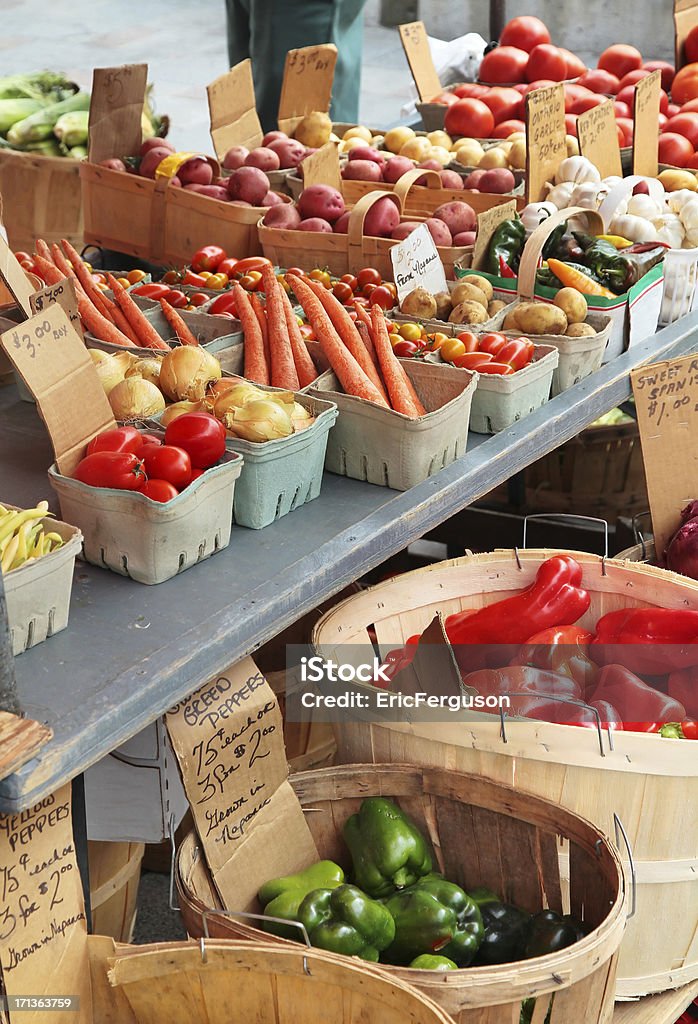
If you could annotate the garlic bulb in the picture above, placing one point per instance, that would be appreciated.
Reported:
(535, 213)
(670, 230)
(642, 205)
(589, 195)
(560, 194)
(577, 169)
(635, 229)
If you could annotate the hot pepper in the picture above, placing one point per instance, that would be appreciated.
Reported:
(434, 915)
(671, 731)
(635, 701)
(281, 897)
(345, 920)
(387, 849)
(659, 640)
(508, 242)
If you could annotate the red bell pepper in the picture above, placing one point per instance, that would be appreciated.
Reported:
(635, 700)
(558, 713)
(683, 687)
(562, 649)
(653, 641)
(498, 682)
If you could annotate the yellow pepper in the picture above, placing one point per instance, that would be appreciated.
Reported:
(616, 241)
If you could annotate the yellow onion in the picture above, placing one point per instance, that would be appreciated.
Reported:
(236, 397)
(110, 368)
(259, 420)
(300, 417)
(186, 371)
(135, 399)
(148, 369)
(178, 409)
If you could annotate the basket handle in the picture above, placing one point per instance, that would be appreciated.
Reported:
(410, 178)
(533, 248)
(558, 700)
(205, 914)
(570, 515)
(620, 831)
(621, 191)
(355, 231)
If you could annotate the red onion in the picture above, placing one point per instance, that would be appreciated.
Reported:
(690, 512)
(682, 553)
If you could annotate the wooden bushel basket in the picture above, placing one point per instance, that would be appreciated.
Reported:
(308, 744)
(41, 199)
(245, 983)
(482, 833)
(115, 871)
(650, 783)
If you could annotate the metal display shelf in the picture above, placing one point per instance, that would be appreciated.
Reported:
(130, 651)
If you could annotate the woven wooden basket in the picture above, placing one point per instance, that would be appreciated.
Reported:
(308, 744)
(422, 200)
(42, 198)
(652, 785)
(482, 833)
(115, 871)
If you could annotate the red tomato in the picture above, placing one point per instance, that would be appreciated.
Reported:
(351, 280)
(121, 470)
(470, 341)
(507, 128)
(504, 65)
(571, 123)
(118, 439)
(689, 728)
(165, 462)
(575, 66)
(686, 124)
(546, 61)
(342, 292)
(471, 118)
(224, 304)
(159, 490)
(472, 360)
(196, 473)
(368, 290)
(572, 94)
(690, 47)
(524, 32)
(673, 109)
(692, 164)
(516, 353)
(147, 439)
(208, 258)
(152, 291)
(445, 98)
(470, 89)
(405, 348)
(621, 109)
(619, 59)
(492, 343)
(251, 263)
(195, 280)
(540, 83)
(199, 434)
(368, 276)
(177, 298)
(668, 71)
(633, 77)
(198, 298)
(228, 266)
(382, 297)
(662, 120)
(627, 95)
(172, 277)
(584, 103)
(599, 80)
(627, 127)
(674, 149)
(503, 369)
(504, 103)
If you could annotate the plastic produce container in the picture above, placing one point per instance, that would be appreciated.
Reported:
(501, 401)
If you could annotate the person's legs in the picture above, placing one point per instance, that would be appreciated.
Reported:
(238, 25)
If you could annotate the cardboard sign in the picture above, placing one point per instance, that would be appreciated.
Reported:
(322, 167)
(307, 84)
(12, 273)
(115, 111)
(43, 929)
(57, 368)
(598, 139)
(546, 139)
(64, 294)
(415, 43)
(685, 18)
(646, 125)
(233, 112)
(417, 264)
(666, 399)
(487, 223)
(228, 739)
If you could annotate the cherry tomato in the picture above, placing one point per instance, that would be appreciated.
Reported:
(223, 304)
(492, 343)
(368, 276)
(516, 353)
(405, 348)
(322, 277)
(147, 439)
(206, 274)
(195, 280)
(159, 490)
(227, 266)
(199, 434)
(470, 341)
(199, 298)
(252, 263)
(351, 280)
(381, 296)
(503, 369)
(251, 282)
(451, 349)
(410, 332)
(121, 470)
(196, 473)
(217, 282)
(689, 728)
(134, 276)
(118, 439)
(166, 462)
(391, 326)
(208, 258)
(154, 290)
(469, 117)
(295, 270)
(172, 277)
(124, 282)
(472, 360)
(368, 291)
(342, 292)
(437, 340)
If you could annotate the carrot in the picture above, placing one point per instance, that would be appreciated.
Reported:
(147, 336)
(92, 319)
(350, 374)
(363, 317)
(61, 262)
(261, 314)
(42, 249)
(83, 275)
(178, 324)
(346, 329)
(402, 395)
(256, 367)
(305, 366)
(572, 278)
(283, 368)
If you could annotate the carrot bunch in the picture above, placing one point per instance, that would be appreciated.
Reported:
(118, 321)
(359, 352)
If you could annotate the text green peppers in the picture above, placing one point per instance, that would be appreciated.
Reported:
(434, 916)
(281, 897)
(387, 849)
(345, 920)
(426, 962)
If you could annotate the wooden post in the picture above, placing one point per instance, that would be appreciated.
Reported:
(8, 686)
(497, 17)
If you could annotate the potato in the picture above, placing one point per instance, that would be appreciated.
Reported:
(517, 155)
(283, 216)
(382, 219)
(675, 178)
(440, 139)
(510, 323)
(469, 152)
(468, 312)
(416, 148)
(264, 158)
(289, 151)
(361, 170)
(573, 305)
(248, 183)
(580, 331)
(419, 303)
(572, 145)
(457, 216)
(359, 131)
(540, 318)
(467, 292)
(314, 129)
(439, 232)
(396, 138)
(320, 201)
(444, 305)
(482, 283)
(500, 180)
(441, 155)
(494, 306)
(492, 158)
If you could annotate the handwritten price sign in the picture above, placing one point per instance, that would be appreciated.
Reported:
(646, 125)
(416, 264)
(415, 43)
(64, 295)
(598, 139)
(546, 144)
(307, 84)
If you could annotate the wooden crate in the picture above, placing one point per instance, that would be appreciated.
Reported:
(41, 199)
(115, 871)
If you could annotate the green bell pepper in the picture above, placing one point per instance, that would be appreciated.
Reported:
(505, 929)
(387, 849)
(507, 241)
(434, 915)
(345, 920)
(282, 897)
(426, 962)
(549, 932)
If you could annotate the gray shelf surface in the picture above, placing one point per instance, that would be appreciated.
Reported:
(130, 651)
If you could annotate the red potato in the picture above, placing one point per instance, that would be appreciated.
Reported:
(284, 216)
(113, 164)
(212, 191)
(152, 159)
(451, 179)
(264, 158)
(457, 216)
(289, 151)
(499, 180)
(155, 143)
(248, 183)
(321, 202)
(382, 219)
(439, 231)
(274, 136)
(367, 153)
(239, 202)
(176, 183)
(341, 226)
(195, 171)
(235, 157)
(315, 224)
(396, 167)
(465, 238)
(272, 199)
(405, 228)
(430, 165)
(473, 179)
(362, 170)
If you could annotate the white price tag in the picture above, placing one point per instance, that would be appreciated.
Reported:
(416, 264)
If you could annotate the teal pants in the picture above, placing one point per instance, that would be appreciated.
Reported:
(265, 30)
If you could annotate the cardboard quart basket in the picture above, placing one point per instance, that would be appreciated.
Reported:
(41, 199)
(212, 332)
(385, 447)
(499, 402)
